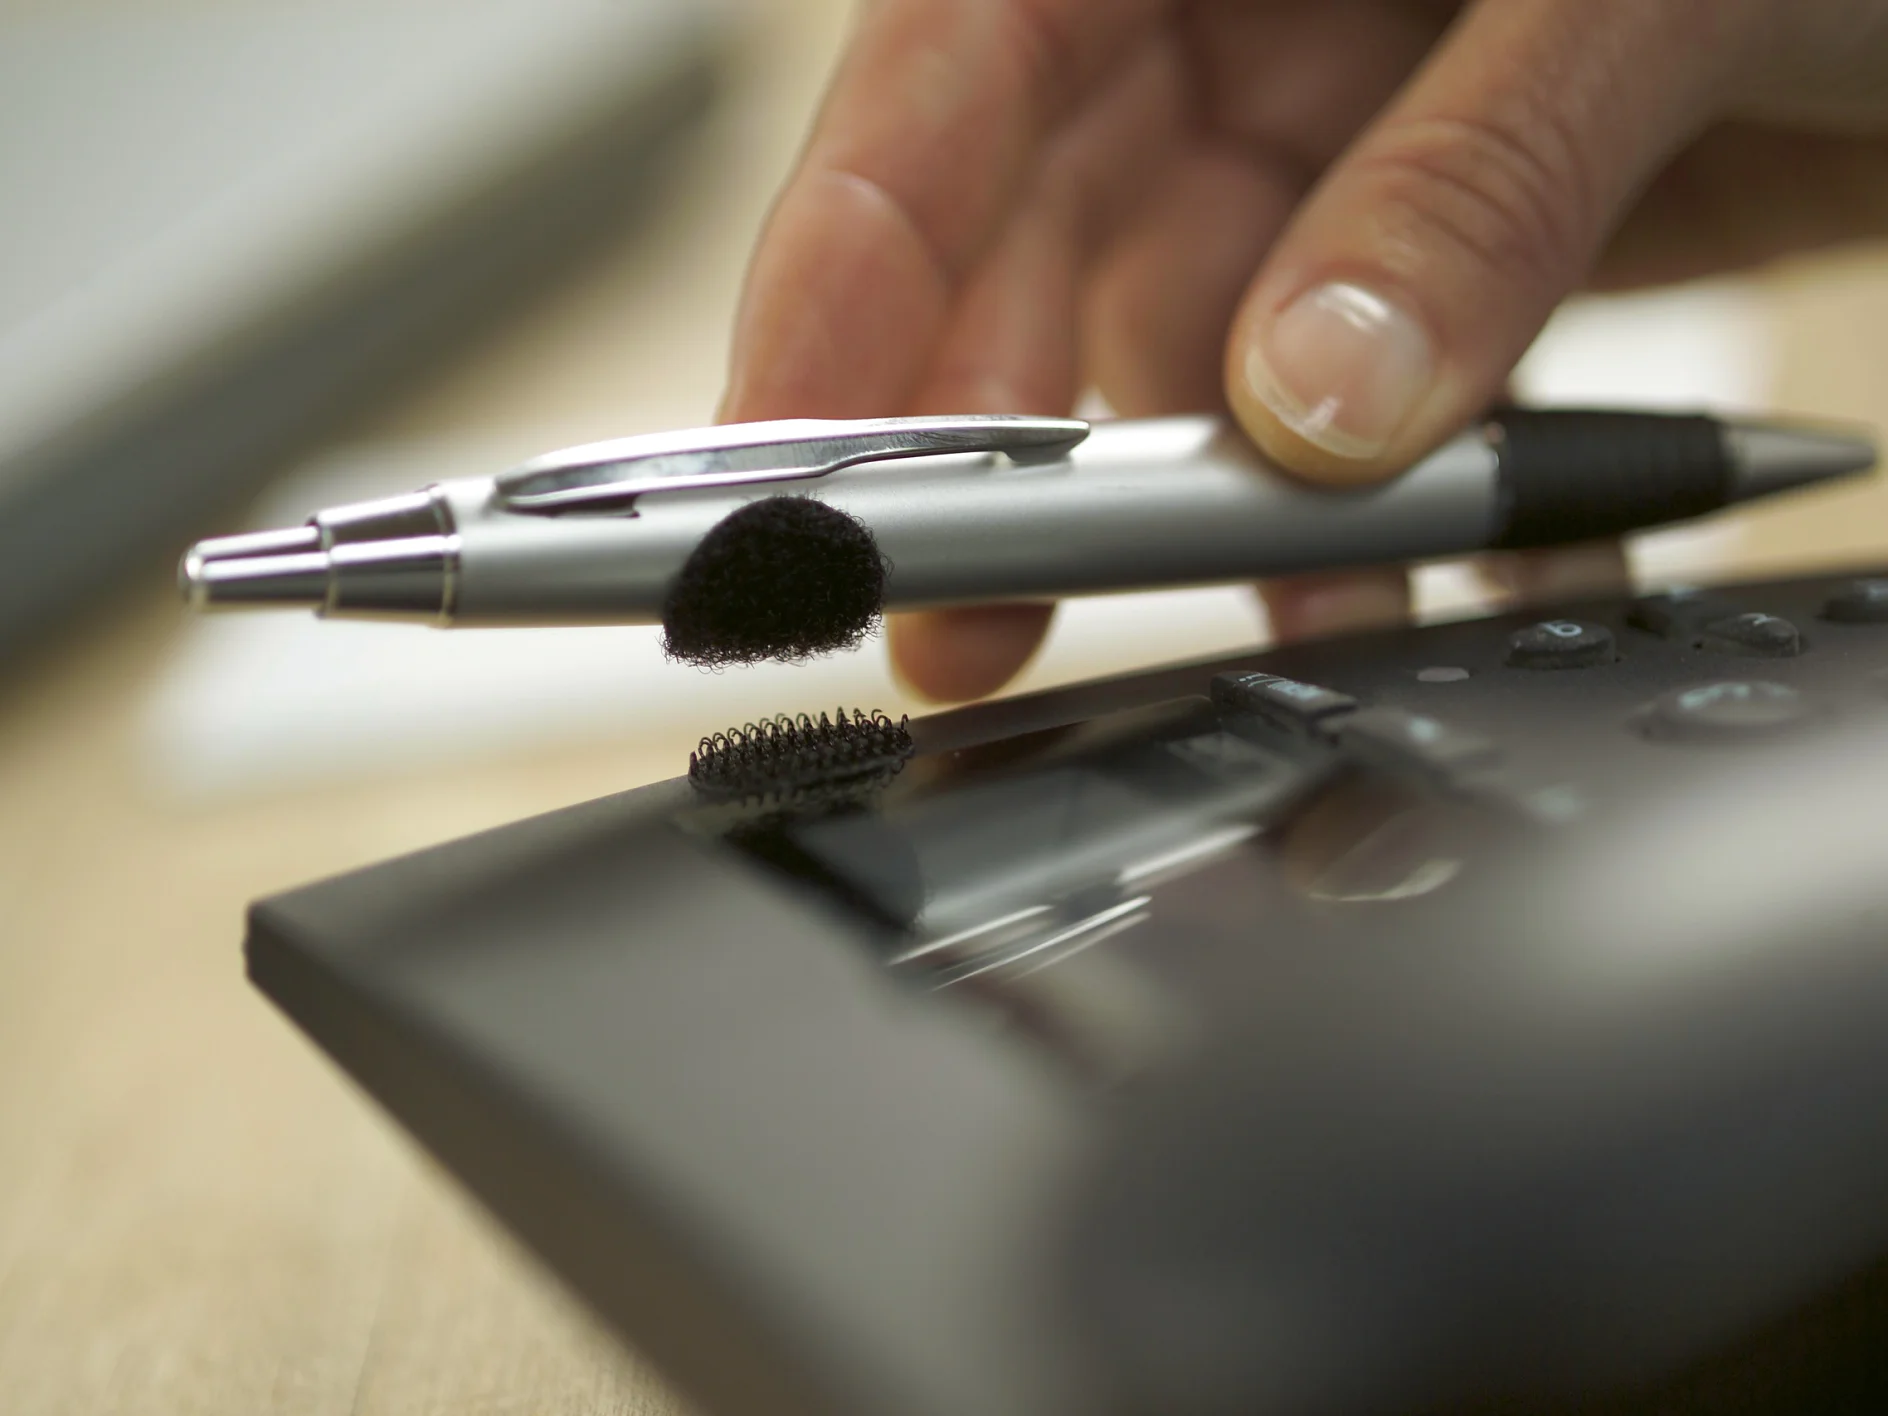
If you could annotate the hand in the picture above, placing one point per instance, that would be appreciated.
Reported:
(1346, 219)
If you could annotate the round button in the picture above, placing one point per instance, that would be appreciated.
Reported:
(1726, 711)
(1561, 644)
(1755, 635)
(1676, 612)
(1859, 602)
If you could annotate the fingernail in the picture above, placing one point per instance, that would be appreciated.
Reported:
(1341, 367)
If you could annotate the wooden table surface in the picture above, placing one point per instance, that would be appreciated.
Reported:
(198, 1214)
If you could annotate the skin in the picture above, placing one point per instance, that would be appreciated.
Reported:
(1004, 201)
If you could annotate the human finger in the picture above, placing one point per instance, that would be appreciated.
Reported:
(1011, 343)
(1159, 303)
(1743, 195)
(1281, 89)
(1323, 603)
(1012, 352)
(931, 127)
(1545, 577)
(952, 656)
(1297, 80)
(1413, 278)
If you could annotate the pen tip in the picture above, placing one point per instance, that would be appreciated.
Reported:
(209, 582)
(190, 578)
(1774, 457)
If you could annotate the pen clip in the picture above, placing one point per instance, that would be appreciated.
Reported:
(612, 475)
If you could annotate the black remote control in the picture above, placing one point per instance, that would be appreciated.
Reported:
(1488, 1017)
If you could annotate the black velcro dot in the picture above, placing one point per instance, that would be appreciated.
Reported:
(841, 757)
(785, 578)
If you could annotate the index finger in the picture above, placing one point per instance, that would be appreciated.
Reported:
(929, 131)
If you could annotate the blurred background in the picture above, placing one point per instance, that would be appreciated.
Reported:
(260, 256)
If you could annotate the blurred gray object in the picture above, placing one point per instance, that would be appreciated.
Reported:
(230, 224)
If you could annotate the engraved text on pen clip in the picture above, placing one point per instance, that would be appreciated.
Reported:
(609, 476)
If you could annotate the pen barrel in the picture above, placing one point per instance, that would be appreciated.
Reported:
(1136, 505)
(1578, 475)
(1142, 504)
(571, 569)
(1153, 504)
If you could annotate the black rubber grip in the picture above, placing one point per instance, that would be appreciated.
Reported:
(1571, 475)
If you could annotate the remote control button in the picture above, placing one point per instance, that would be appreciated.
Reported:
(1676, 614)
(1441, 673)
(1753, 634)
(1401, 740)
(1727, 711)
(1561, 644)
(1292, 704)
(1859, 602)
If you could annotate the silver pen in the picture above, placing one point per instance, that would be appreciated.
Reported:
(986, 508)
